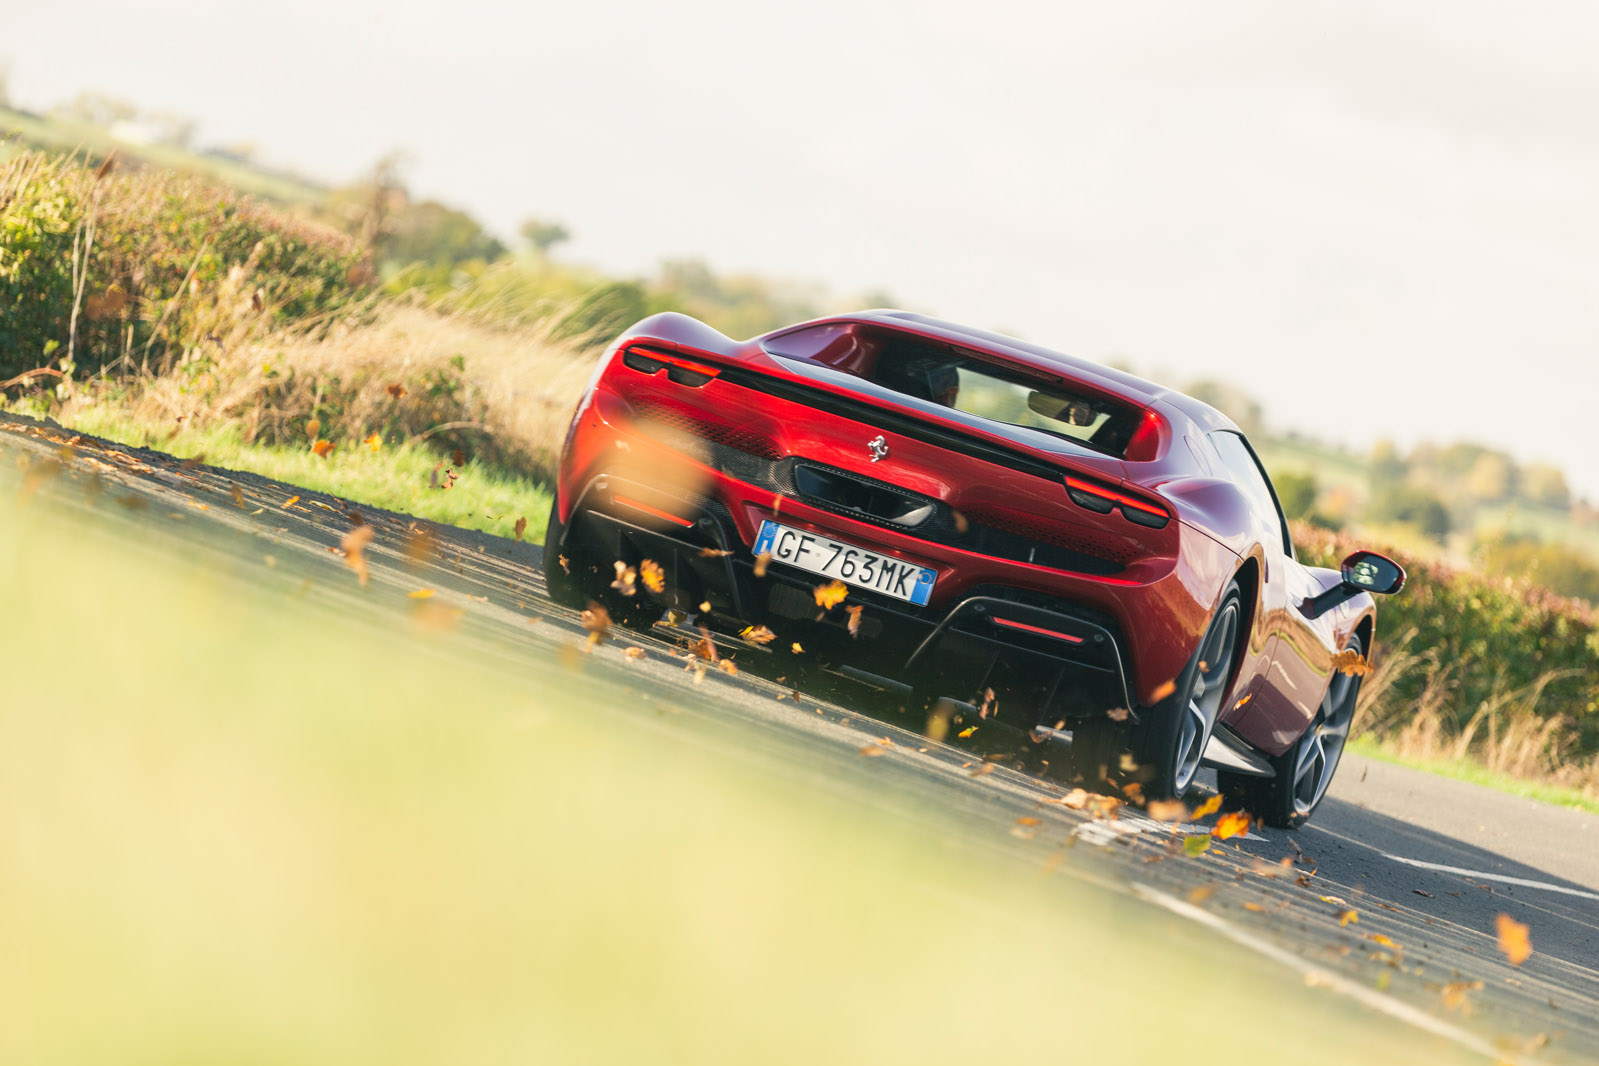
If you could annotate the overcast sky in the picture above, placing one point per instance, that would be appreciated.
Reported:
(1380, 218)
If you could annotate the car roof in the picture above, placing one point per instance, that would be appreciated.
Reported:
(1143, 392)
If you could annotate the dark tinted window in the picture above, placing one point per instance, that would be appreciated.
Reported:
(1239, 459)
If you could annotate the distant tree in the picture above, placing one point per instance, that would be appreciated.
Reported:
(543, 235)
(1545, 485)
(5, 84)
(1413, 505)
(1492, 478)
(605, 311)
(1387, 466)
(1553, 566)
(1296, 491)
(98, 109)
(433, 233)
(878, 298)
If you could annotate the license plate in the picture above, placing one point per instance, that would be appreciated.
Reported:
(851, 565)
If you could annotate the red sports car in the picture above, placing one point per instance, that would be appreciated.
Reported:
(1045, 545)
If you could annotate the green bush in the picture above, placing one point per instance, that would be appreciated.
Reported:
(170, 263)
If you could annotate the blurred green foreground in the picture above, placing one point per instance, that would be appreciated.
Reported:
(236, 829)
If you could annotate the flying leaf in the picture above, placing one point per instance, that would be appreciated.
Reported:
(1117, 714)
(830, 594)
(1196, 845)
(1167, 810)
(1349, 661)
(625, 578)
(762, 561)
(1347, 916)
(323, 448)
(597, 620)
(521, 527)
(1163, 691)
(757, 634)
(1231, 824)
(1454, 994)
(1514, 940)
(373, 441)
(313, 428)
(654, 577)
(796, 649)
(396, 391)
(727, 667)
(854, 619)
(968, 731)
(458, 457)
(633, 653)
(717, 553)
(1210, 806)
(354, 547)
(1076, 799)
(238, 496)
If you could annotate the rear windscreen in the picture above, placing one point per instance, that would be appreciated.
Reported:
(965, 381)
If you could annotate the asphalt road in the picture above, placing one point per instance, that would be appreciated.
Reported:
(1424, 864)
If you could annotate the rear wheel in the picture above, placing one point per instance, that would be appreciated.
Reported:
(573, 579)
(1171, 742)
(1304, 771)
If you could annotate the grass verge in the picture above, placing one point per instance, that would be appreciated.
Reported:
(396, 477)
(1477, 774)
(250, 827)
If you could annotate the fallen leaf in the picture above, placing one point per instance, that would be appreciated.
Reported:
(1514, 940)
(1454, 994)
(983, 769)
(420, 594)
(1231, 824)
(354, 547)
(1254, 907)
(1028, 819)
(757, 634)
(1347, 916)
(872, 751)
(727, 667)
(1196, 845)
(1201, 893)
(854, 619)
(968, 731)
(290, 502)
(521, 527)
(1379, 939)
(633, 653)
(1419, 892)
(830, 594)
(238, 496)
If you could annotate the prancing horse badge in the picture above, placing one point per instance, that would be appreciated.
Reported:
(878, 447)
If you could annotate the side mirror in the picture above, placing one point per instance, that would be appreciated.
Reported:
(1363, 571)
(1371, 572)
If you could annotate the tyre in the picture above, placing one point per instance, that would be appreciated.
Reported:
(574, 580)
(562, 574)
(1171, 741)
(1304, 771)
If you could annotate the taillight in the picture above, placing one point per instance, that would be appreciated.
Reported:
(679, 371)
(1104, 500)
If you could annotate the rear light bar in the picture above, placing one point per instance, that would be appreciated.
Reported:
(1102, 500)
(1024, 627)
(679, 371)
(629, 502)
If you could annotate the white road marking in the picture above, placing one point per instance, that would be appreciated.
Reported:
(1318, 976)
(1502, 878)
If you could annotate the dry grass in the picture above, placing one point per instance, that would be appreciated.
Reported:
(503, 395)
